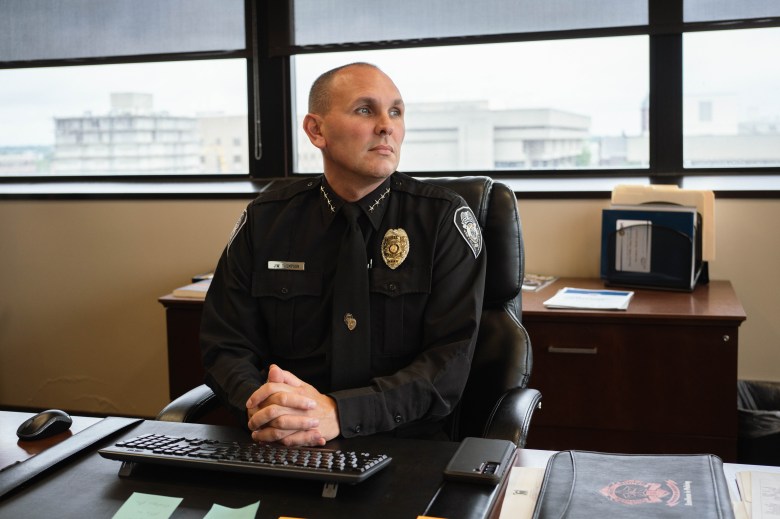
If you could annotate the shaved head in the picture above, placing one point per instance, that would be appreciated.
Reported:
(320, 95)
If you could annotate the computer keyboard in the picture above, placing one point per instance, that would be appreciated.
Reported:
(263, 459)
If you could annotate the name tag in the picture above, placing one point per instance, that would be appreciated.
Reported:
(286, 265)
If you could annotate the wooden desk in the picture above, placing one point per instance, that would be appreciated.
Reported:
(182, 316)
(13, 450)
(391, 493)
(88, 484)
(658, 378)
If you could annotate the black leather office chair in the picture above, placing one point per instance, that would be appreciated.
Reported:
(496, 402)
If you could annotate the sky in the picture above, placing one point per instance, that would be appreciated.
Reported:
(604, 78)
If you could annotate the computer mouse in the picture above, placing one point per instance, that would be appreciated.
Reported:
(44, 424)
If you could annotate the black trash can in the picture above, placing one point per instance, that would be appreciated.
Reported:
(758, 409)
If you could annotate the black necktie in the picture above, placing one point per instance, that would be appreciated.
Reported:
(351, 355)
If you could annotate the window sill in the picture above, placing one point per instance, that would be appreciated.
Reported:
(727, 186)
(133, 189)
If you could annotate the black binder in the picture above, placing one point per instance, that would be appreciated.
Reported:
(652, 246)
(588, 485)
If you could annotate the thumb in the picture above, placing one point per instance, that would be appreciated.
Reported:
(275, 374)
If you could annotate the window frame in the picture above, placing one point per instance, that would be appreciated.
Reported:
(268, 54)
(665, 31)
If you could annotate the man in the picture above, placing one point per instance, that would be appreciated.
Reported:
(277, 346)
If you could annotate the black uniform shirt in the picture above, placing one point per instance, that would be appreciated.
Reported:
(271, 297)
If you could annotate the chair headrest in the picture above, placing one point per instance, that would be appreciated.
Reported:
(495, 207)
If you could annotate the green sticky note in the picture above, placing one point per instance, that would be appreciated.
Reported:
(223, 512)
(141, 506)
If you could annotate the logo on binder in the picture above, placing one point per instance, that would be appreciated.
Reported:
(635, 492)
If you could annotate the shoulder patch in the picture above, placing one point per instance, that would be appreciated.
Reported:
(236, 228)
(467, 225)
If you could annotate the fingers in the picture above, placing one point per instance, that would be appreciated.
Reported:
(277, 374)
(281, 404)
(264, 392)
(287, 410)
(281, 417)
(309, 438)
(278, 380)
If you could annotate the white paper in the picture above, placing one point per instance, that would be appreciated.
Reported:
(633, 245)
(590, 299)
(522, 490)
(766, 495)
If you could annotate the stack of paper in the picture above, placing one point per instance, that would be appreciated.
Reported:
(703, 201)
(536, 282)
(760, 495)
(590, 299)
(194, 290)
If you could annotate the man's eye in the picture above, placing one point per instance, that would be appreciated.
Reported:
(363, 110)
(396, 113)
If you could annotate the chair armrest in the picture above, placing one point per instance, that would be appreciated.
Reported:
(511, 416)
(190, 406)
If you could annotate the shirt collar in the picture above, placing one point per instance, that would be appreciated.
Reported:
(373, 205)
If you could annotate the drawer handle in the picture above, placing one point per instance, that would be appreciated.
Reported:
(578, 351)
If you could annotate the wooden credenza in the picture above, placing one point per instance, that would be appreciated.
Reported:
(658, 378)
(182, 319)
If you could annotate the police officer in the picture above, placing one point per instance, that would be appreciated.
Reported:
(310, 338)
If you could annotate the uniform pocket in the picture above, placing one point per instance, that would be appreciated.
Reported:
(398, 300)
(291, 305)
(286, 284)
(396, 283)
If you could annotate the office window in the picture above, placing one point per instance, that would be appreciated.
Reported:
(328, 22)
(75, 129)
(94, 88)
(731, 110)
(77, 29)
(546, 105)
(509, 88)
(720, 10)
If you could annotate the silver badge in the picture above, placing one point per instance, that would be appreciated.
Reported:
(468, 227)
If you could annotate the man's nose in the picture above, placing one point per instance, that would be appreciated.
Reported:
(384, 125)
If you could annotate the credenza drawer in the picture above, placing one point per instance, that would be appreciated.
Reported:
(636, 377)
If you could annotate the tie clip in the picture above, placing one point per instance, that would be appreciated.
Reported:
(286, 265)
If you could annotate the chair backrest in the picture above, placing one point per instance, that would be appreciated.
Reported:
(502, 356)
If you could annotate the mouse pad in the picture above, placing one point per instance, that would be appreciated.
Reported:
(15, 476)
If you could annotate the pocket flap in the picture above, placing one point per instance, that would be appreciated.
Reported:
(286, 284)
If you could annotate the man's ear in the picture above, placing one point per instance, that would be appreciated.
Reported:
(312, 125)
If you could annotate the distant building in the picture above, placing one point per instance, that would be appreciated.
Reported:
(24, 160)
(131, 139)
(223, 143)
(714, 136)
(470, 136)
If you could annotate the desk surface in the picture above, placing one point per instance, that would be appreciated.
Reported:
(88, 485)
(13, 450)
(714, 301)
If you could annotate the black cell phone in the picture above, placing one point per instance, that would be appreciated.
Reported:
(480, 460)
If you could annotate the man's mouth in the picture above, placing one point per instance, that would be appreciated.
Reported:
(384, 149)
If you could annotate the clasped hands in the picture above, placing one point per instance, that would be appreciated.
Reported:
(288, 410)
